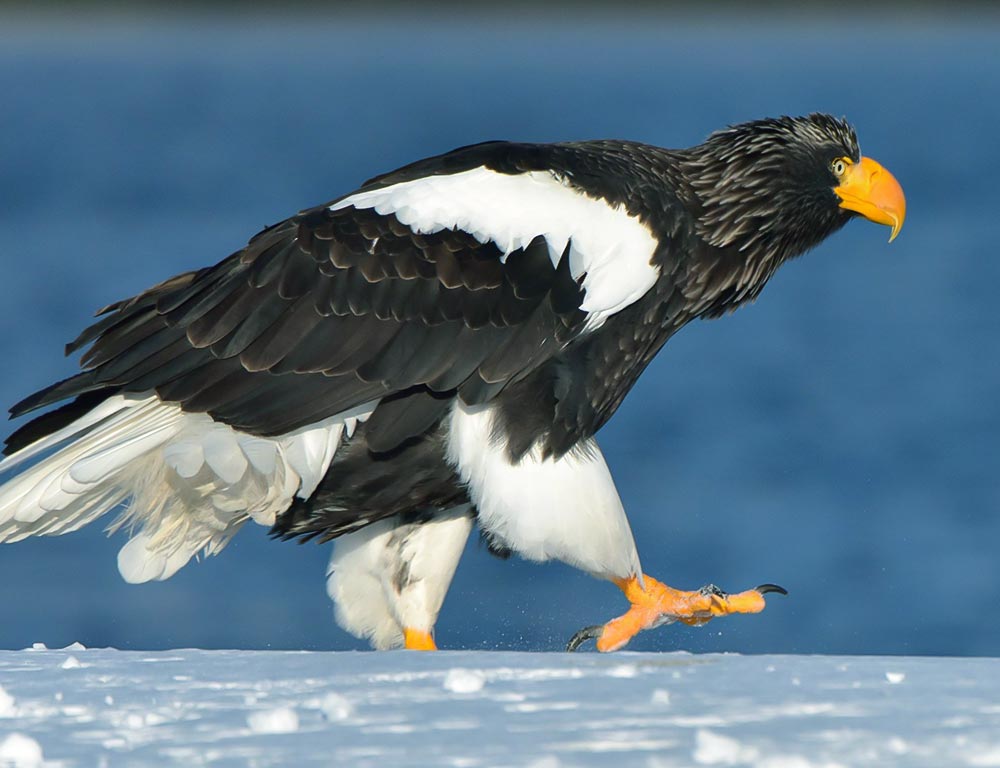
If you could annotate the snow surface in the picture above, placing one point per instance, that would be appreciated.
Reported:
(471, 709)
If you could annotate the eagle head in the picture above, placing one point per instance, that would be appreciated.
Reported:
(774, 188)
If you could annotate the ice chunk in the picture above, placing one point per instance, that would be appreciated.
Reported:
(549, 761)
(464, 681)
(20, 751)
(625, 671)
(336, 707)
(280, 720)
(715, 749)
(660, 698)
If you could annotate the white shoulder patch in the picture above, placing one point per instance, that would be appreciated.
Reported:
(609, 248)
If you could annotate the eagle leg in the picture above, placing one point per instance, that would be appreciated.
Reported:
(655, 604)
(418, 640)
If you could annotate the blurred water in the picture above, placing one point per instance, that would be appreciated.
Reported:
(839, 437)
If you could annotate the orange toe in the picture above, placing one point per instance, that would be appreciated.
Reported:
(654, 603)
(418, 640)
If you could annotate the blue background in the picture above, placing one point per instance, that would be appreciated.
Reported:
(839, 437)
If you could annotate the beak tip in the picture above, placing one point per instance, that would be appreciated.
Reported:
(897, 227)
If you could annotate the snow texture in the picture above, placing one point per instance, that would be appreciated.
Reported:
(472, 709)
(20, 751)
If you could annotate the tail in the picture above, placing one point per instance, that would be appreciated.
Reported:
(183, 483)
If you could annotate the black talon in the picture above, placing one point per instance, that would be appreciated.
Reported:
(585, 634)
(765, 588)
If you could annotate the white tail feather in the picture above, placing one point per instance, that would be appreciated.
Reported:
(105, 409)
(223, 454)
(189, 482)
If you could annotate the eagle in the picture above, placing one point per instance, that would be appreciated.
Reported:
(432, 352)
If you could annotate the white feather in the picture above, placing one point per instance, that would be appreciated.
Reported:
(185, 457)
(610, 250)
(262, 454)
(32, 483)
(369, 601)
(223, 454)
(107, 408)
(566, 509)
(100, 465)
(190, 483)
(140, 561)
(354, 583)
(308, 451)
(430, 552)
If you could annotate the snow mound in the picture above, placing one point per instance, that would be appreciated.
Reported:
(20, 751)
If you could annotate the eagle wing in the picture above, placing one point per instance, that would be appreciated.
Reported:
(422, 285)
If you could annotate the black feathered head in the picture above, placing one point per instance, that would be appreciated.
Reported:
(775, 188)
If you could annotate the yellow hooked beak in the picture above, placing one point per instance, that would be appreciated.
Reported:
(869, 189)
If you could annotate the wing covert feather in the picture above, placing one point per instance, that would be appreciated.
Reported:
(329, 310)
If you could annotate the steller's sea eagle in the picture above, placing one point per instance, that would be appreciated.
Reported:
(434, 350)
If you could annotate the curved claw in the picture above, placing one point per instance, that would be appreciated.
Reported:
(585, 634)
(765, 588)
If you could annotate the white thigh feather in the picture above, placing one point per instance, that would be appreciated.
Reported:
(564, 509)
(394, 575)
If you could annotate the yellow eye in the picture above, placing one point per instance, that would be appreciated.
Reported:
(839, 167)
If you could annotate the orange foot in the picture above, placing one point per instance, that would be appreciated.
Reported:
(654, 604)
(418, 640)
